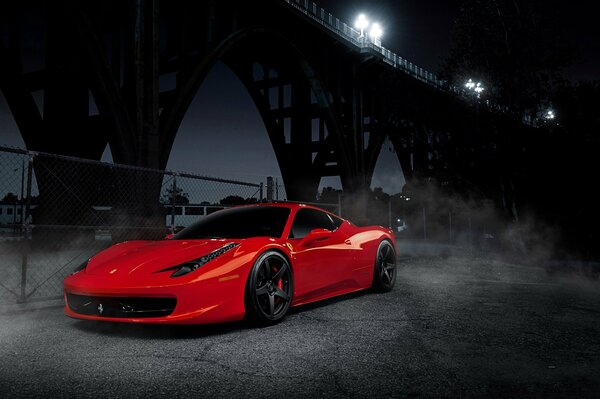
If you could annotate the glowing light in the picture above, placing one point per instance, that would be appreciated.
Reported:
(476, 87)
(376, 32)
(550, 115)
(361, 23)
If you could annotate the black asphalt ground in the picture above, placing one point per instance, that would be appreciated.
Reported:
(451, 328)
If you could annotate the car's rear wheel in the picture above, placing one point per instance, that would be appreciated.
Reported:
(270, 288)
(384, 275)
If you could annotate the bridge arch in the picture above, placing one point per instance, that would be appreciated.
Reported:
(387, 171)
(296, 108)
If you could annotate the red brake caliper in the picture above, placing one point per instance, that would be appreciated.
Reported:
(280, 285)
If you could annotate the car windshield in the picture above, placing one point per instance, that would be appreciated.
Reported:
(242, 222)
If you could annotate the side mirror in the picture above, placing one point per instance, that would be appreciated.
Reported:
(316, 235)
(169, 236)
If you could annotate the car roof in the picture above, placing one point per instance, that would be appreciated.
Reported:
(294, 206)
(287, 204)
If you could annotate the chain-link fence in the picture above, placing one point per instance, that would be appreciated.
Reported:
(430, 219)
(275, 191)
(57, 211)
(447, 221)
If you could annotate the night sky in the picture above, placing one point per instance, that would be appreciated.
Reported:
(223, 135)
(421, 31)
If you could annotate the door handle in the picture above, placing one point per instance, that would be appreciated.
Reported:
(347, 242)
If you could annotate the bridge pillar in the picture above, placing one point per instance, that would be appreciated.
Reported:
(356, 113)
(145, 84)
(300, 181)
(65, 128)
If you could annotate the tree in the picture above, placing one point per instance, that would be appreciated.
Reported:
(515, 47)
(329, 195)
(577, 107)
(178, 195)
(234, 200)
(577, 142)
(10, 198)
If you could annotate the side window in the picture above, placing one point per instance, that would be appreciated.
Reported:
(310, 219)
(337, 222)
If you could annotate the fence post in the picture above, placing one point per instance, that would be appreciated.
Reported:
(390, 212)
(173, 190)
(424, 225)
(470, 235)
(26, 232)
(450, 225)
(340, 204)
(269, 189)
(22, 189)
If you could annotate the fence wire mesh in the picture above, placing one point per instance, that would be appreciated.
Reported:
(56, 211)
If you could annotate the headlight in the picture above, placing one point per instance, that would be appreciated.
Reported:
(190, 266)
(81, 267)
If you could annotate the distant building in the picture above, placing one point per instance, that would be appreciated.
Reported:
(184, 215)
(12, 213)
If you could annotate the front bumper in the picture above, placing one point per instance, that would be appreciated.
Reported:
(214, 300)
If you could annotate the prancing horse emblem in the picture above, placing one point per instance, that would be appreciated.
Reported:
(100, 309)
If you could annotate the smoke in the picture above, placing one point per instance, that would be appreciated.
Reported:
(43, 261)
(427, 213)
(34, 270)
(438, 222)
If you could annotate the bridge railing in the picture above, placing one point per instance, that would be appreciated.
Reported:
(351, 35)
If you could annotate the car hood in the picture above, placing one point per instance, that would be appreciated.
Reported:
(147, 257)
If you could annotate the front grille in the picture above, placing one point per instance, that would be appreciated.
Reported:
(130, 307)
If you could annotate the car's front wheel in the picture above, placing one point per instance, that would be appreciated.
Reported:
(384, 275)
(270, 288)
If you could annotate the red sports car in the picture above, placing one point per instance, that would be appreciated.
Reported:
(254, 261)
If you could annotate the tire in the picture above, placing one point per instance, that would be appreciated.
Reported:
(384, 276)
(269, 289)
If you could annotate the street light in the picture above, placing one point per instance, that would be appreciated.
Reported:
(476, 87)
(376, 33)
(549, 115)
(361, 24)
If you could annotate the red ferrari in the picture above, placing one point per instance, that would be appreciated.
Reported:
(250, 261)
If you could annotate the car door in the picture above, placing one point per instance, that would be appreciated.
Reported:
(319, 266)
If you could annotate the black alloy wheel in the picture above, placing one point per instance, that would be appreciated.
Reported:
(384, 275)
(270, 288)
